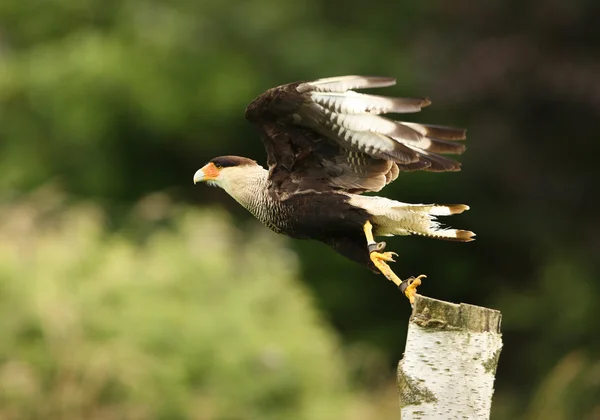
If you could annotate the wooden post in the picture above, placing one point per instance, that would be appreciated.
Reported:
(448, 368)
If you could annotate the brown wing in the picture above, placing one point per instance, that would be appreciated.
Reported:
(321, 136)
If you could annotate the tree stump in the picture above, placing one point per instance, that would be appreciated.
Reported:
(448, 368)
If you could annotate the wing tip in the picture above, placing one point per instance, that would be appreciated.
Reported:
(454, 133)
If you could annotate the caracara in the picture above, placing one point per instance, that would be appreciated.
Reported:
(327, 144)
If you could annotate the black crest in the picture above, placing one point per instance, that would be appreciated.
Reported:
(229, 161)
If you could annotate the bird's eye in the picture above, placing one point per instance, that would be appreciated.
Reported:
(217, 165)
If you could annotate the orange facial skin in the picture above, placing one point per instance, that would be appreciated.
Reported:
(210, 171)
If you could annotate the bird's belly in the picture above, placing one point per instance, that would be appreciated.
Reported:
(313, 216)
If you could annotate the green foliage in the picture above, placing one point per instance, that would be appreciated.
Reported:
(114, 100)
(123, 81)
(569, 391)
(197, 322)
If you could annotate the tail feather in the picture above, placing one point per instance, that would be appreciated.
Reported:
(436, 209)
(448, 234)
(392, 218)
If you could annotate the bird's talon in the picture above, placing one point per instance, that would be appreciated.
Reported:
(386, 256)
(409, 287)
(391, 256)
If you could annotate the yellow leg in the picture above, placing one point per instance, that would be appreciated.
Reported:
(380, 259)
(368, 229)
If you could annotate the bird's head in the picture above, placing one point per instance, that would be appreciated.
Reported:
(224, 171)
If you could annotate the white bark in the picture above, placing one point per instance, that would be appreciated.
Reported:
(450, 360)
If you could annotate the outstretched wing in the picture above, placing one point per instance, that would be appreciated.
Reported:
(322, 135)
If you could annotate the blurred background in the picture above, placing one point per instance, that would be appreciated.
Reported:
(128, 293)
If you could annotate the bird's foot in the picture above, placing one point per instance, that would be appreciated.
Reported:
(380, 260)
(383, 256)
(409, 287)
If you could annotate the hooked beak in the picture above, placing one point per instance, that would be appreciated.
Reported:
(198, 176)
(207, 173)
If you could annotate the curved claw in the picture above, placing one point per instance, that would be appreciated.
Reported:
(409, 287)
(387, 256)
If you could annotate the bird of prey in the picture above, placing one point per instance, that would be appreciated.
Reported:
(326, 145)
